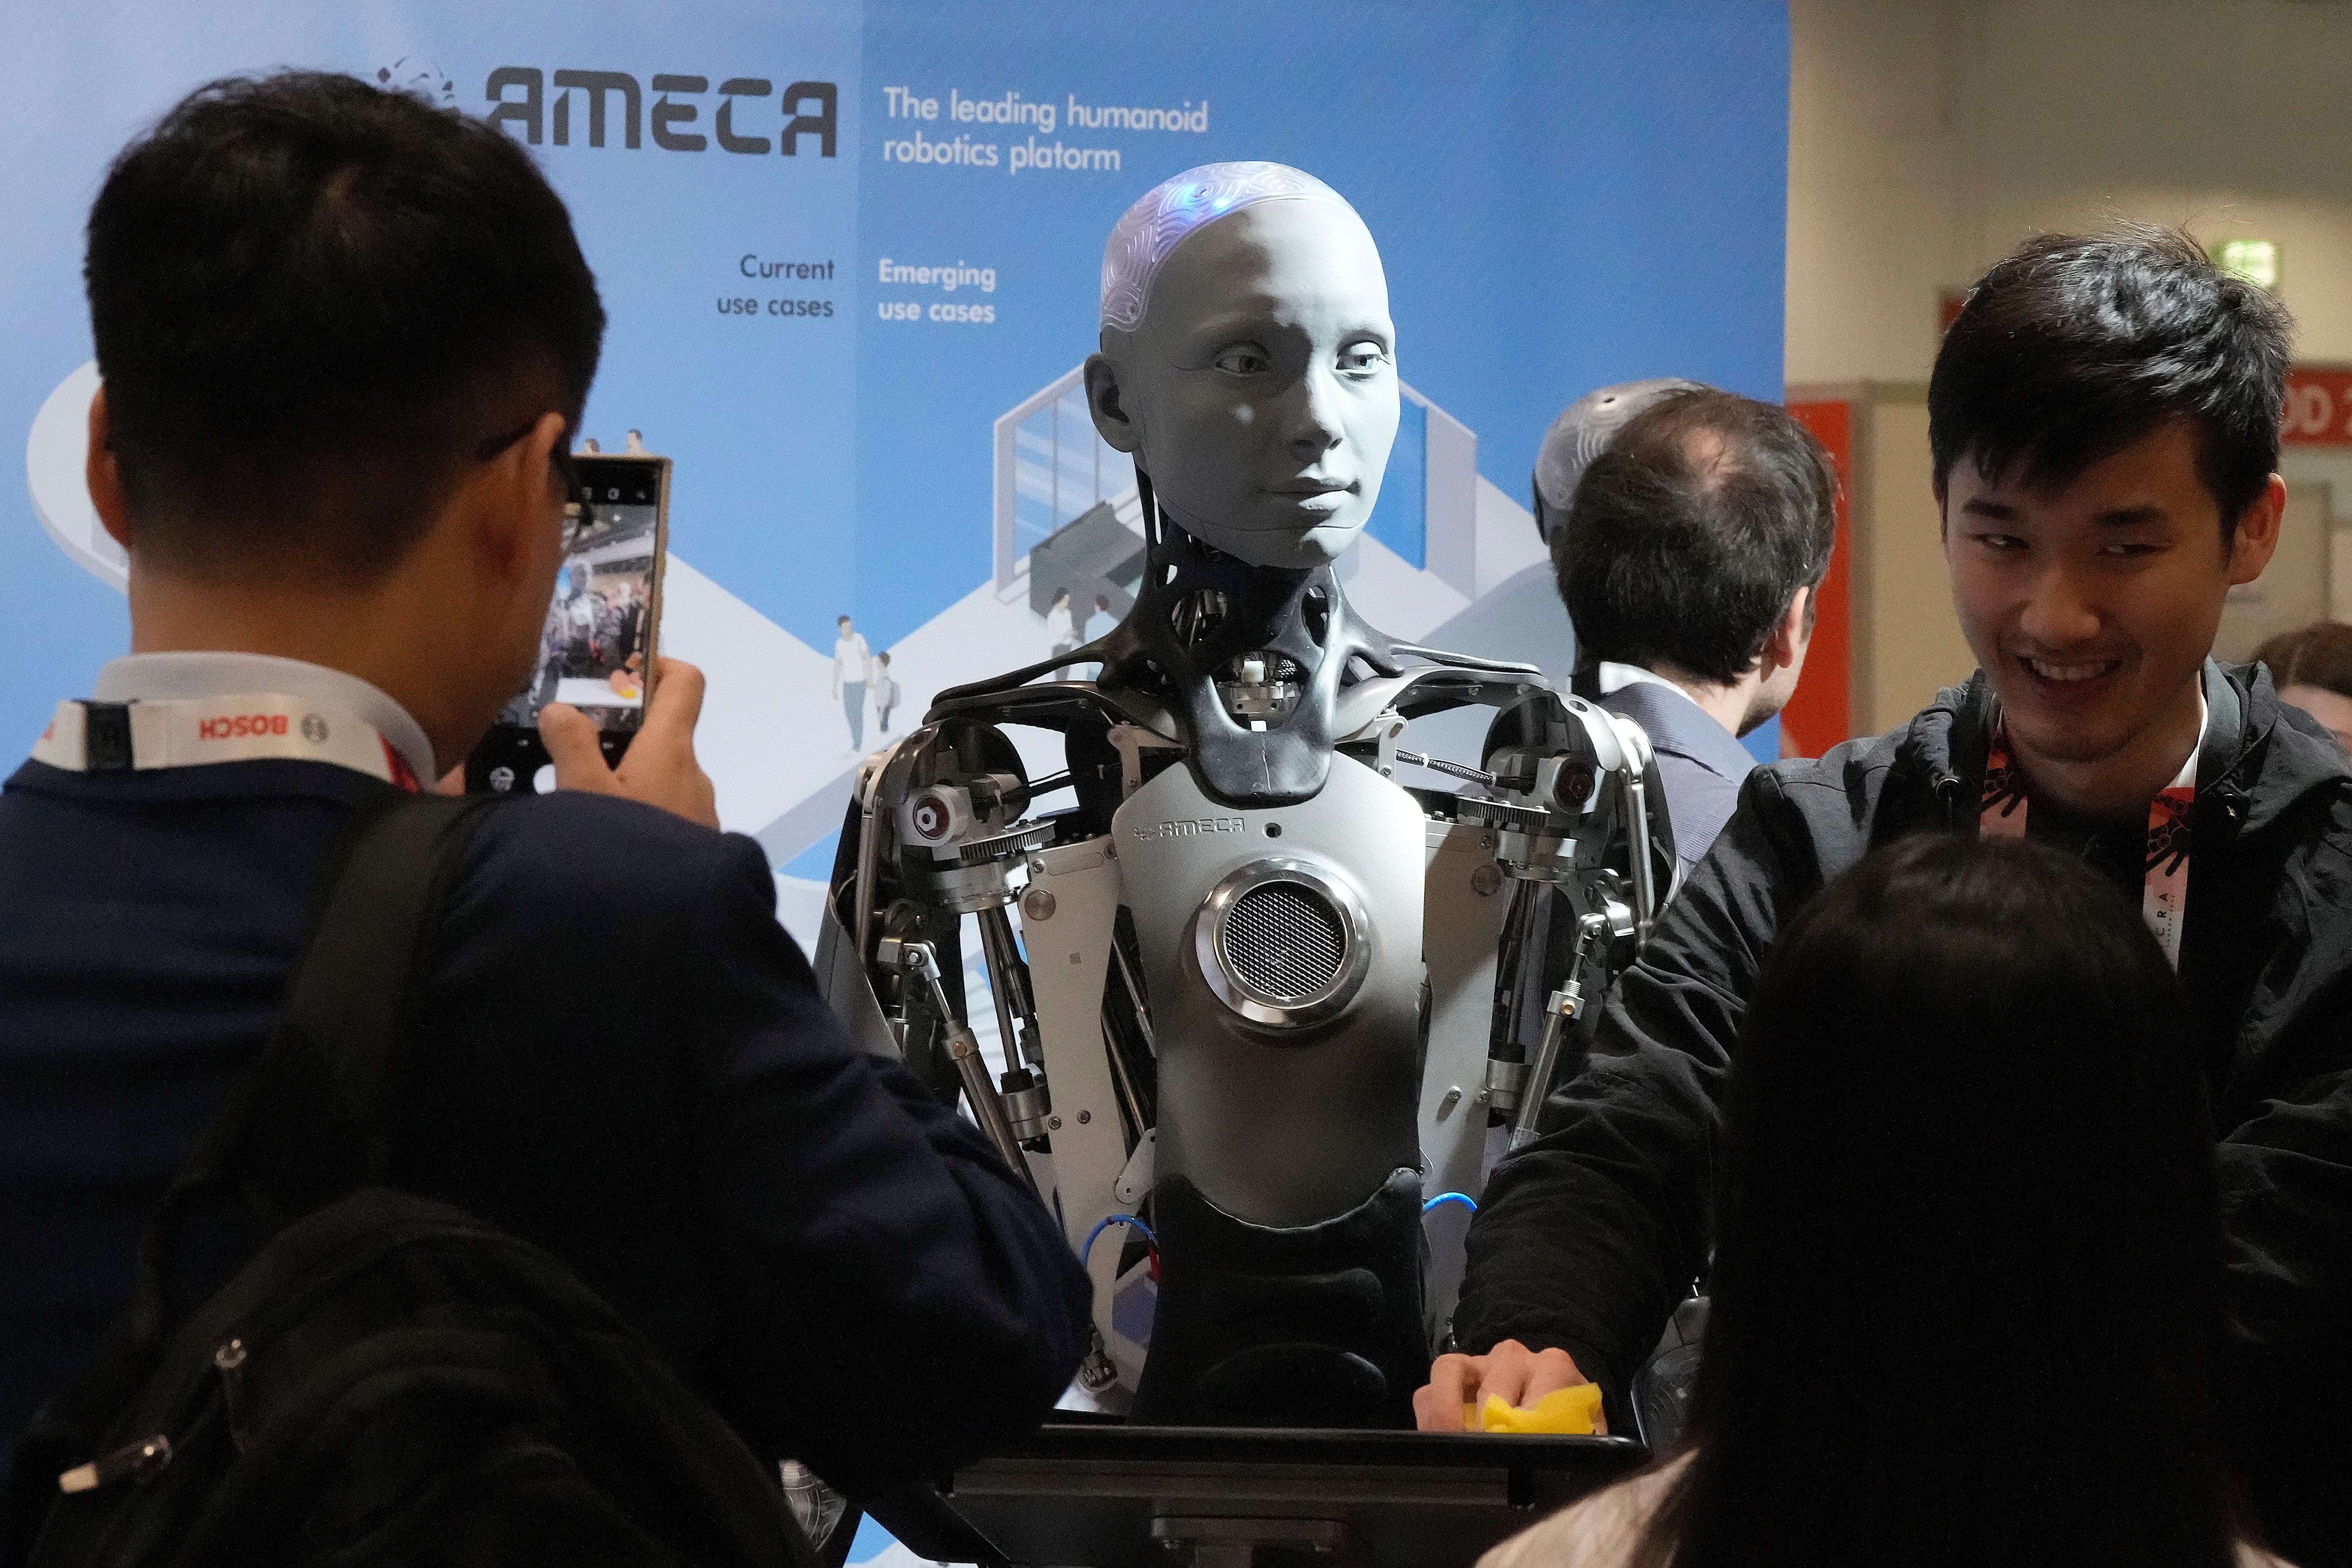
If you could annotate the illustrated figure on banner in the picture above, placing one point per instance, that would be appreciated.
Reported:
(851, 663)
(1061, 629)
(886, 692)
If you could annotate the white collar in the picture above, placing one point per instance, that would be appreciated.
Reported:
(2186, 777)
(168, 677)
(1615, 678)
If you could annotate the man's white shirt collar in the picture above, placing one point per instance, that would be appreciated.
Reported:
(1615, 678)
(174, 677)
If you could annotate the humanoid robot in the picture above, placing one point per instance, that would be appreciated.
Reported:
(1262, 1003)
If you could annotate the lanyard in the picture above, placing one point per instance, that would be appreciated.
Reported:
(119, 737)
(2164, 888)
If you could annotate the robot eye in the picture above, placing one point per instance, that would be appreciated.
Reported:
(1362, 356)
(1243, 359)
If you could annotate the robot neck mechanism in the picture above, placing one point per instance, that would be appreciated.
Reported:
(1248, 660)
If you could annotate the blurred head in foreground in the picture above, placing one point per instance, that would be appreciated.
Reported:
(1966, 1291)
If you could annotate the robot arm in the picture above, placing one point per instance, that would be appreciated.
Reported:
(1541, 880)
(937, 842)
(1591, 778)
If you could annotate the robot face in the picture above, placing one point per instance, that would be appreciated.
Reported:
(1260, 388)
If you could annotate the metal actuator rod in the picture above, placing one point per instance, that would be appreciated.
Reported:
(918, 958)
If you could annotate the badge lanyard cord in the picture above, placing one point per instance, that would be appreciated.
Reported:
(125, 737)
(2164, 885)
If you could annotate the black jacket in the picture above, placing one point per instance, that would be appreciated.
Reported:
(627, 1062)
(1589, 1234)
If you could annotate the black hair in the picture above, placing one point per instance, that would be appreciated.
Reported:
(2073, 347)
(1691, 530)
(1967, 1288)
(313, 299)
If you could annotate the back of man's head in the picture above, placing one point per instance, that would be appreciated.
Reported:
(1690, 533)
(313, 302)
(2073, 347)
(2318, 655)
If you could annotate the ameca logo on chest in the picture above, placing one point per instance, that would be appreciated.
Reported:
(1191, 828)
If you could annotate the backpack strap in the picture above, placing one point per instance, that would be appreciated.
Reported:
(338, 1054)
(312, 1120)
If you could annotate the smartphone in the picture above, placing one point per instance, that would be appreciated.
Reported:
(597, 646)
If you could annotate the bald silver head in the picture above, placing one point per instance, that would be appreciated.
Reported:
(1247, 360)
(1577, 436)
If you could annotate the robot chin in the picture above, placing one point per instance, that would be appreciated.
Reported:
(1286, 549)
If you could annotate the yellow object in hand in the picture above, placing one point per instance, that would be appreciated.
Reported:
(1566, 1412)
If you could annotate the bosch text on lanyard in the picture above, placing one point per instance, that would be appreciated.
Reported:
(2164, 887)
(112, 737)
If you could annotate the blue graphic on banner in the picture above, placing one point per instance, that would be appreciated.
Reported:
(1401, 516)
(851, 256)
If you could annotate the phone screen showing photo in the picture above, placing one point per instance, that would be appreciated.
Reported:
(598, 642)
(596, 646)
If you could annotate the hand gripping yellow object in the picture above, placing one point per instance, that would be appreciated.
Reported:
(1563, 1411)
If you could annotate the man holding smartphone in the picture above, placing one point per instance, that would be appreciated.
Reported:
(345, 337)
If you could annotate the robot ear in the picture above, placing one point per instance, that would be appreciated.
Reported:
(1109, 407)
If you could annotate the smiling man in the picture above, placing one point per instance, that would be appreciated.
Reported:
(2104, 418)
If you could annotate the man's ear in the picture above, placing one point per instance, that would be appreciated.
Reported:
(512, 502)
(1111, 418)
(2258, 532)
(103, 474)
(1787, 644)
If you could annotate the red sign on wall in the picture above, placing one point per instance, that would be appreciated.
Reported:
(2318, 406)
(1819, 715)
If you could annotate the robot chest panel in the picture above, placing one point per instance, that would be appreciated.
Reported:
(1282, 953)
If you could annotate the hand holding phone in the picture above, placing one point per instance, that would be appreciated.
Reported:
(599, 643)
(659, 767)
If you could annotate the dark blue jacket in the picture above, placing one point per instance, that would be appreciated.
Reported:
(1699, 764)
(626, 1061)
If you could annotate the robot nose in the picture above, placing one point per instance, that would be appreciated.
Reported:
(1313, 425)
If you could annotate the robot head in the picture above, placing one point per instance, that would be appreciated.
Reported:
(1248, 361)
(1577, 437)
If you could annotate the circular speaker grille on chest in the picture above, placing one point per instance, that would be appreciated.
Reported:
(1284, 940)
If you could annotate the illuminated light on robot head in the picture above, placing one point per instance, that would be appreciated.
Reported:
(1173, 208)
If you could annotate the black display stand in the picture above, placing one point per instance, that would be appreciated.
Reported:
(1089, 1495)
